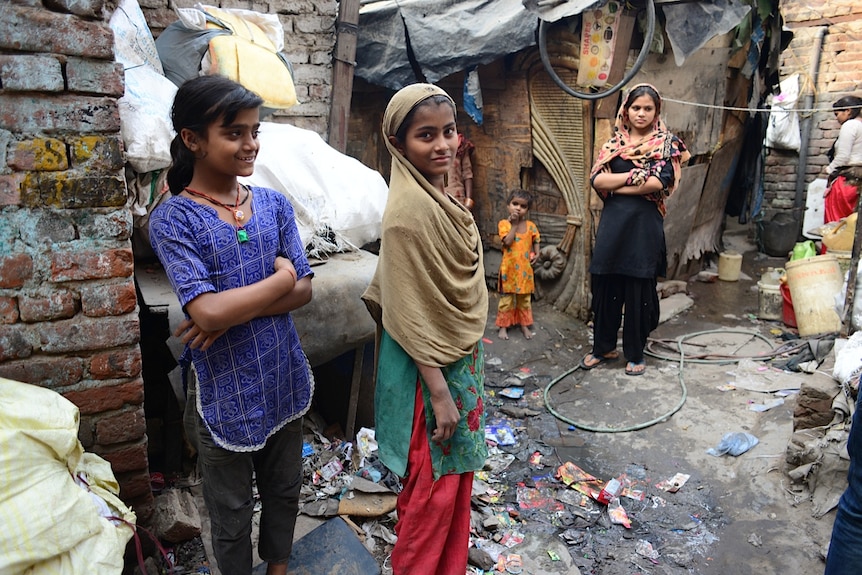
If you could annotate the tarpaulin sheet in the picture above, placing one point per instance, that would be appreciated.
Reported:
(446, 36)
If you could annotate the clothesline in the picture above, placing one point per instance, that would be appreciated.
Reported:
(737, 109)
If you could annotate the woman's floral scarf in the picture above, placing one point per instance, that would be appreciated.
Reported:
(649, 154)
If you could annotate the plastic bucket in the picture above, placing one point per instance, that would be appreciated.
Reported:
(843, 260)
(729, 266)
(787, 315)
(769, 300)
(814, 283)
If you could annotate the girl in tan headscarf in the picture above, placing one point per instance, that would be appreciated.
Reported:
(429, 299)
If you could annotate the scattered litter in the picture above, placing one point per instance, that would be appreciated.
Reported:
(307, 449)
(618, 515)
(500, 433)
(512, 392)
(673, 484)
(734, 443)
(610, 491)
(766, 406)
(755, 540)
(727, 387)
(553, 555)
(645, 549)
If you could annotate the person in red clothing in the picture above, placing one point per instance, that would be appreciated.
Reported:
(845, 162)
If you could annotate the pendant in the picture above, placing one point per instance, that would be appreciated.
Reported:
(239, 215)
(241, 235)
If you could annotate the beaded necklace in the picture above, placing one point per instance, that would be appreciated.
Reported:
(238, 214)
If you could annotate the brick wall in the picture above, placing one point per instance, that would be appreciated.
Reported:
(68, 309)
(309, 38)
(838, 76)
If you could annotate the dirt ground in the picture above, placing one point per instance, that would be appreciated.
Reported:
(733, 516)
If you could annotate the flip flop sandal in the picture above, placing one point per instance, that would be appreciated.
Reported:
(630, 368)
(600, 359)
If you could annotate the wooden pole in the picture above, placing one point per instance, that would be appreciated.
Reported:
(850, 294)
(344, 61)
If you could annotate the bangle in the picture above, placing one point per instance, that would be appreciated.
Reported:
(468, 203)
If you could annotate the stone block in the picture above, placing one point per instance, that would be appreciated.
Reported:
(176, 516)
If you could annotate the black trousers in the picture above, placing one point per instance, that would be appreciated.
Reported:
(613, 292)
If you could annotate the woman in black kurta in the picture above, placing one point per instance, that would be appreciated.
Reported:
(637, 169)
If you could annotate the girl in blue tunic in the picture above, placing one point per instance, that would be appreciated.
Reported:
(236, 262)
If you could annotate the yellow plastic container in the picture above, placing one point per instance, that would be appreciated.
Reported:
(814, 284)
(729, 266)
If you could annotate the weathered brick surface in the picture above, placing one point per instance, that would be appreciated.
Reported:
(126, 458)
(27, 29)
(104, 397)
(106, 300)
(15, 270)
(10, 189)
(15, 342)
(83, 334)
(60, 304)
(116, 364)
(88, 8)
(26, 73)
(52, 372)
(8, 309)
(41, 227)
(95, 76)
(72, 189)
(58, 113)
(838, 76)
(40, 154)
(126, 426)
(101, 153)
(81, 263)
(114, 225)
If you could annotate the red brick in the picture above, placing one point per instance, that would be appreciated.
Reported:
(87, 264)
(128, 458)
(120, 428)
(133, 485)
(57, 305)
(58, 113)
(31, 73)
(45, 371)
(15, 342)
(111, 299)
(15, 270)
(10, 189)
(107, 397)
(116, 364)
(95, 76)
(27, 29)
(48, 154)
(97, 152)
(8, 309)
(86, 334)
(72, 189)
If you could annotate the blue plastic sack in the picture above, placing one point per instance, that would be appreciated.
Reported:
(734, 443)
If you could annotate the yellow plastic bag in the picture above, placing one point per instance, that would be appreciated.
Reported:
(55, 499)
(249, 56)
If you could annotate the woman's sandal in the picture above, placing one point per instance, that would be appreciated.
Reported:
(597, 360)
(635, 367)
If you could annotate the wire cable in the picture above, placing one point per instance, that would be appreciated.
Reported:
(680, 341)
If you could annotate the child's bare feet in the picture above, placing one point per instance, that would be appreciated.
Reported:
(528, 333)
(503, 333)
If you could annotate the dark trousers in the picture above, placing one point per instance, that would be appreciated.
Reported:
(227, 488)
(610, 293)
(845, 548)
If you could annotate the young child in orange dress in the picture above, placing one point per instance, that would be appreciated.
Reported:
(520, 239)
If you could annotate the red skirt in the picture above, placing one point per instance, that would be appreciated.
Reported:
(433, 516)
(840, 201)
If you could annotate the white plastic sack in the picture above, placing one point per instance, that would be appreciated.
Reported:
(145, 119)
(782, 132)
(145, 108)
(339, 201)
(55, 499)
(848, 359)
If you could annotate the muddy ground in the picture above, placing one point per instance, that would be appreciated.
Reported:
(733, 516)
